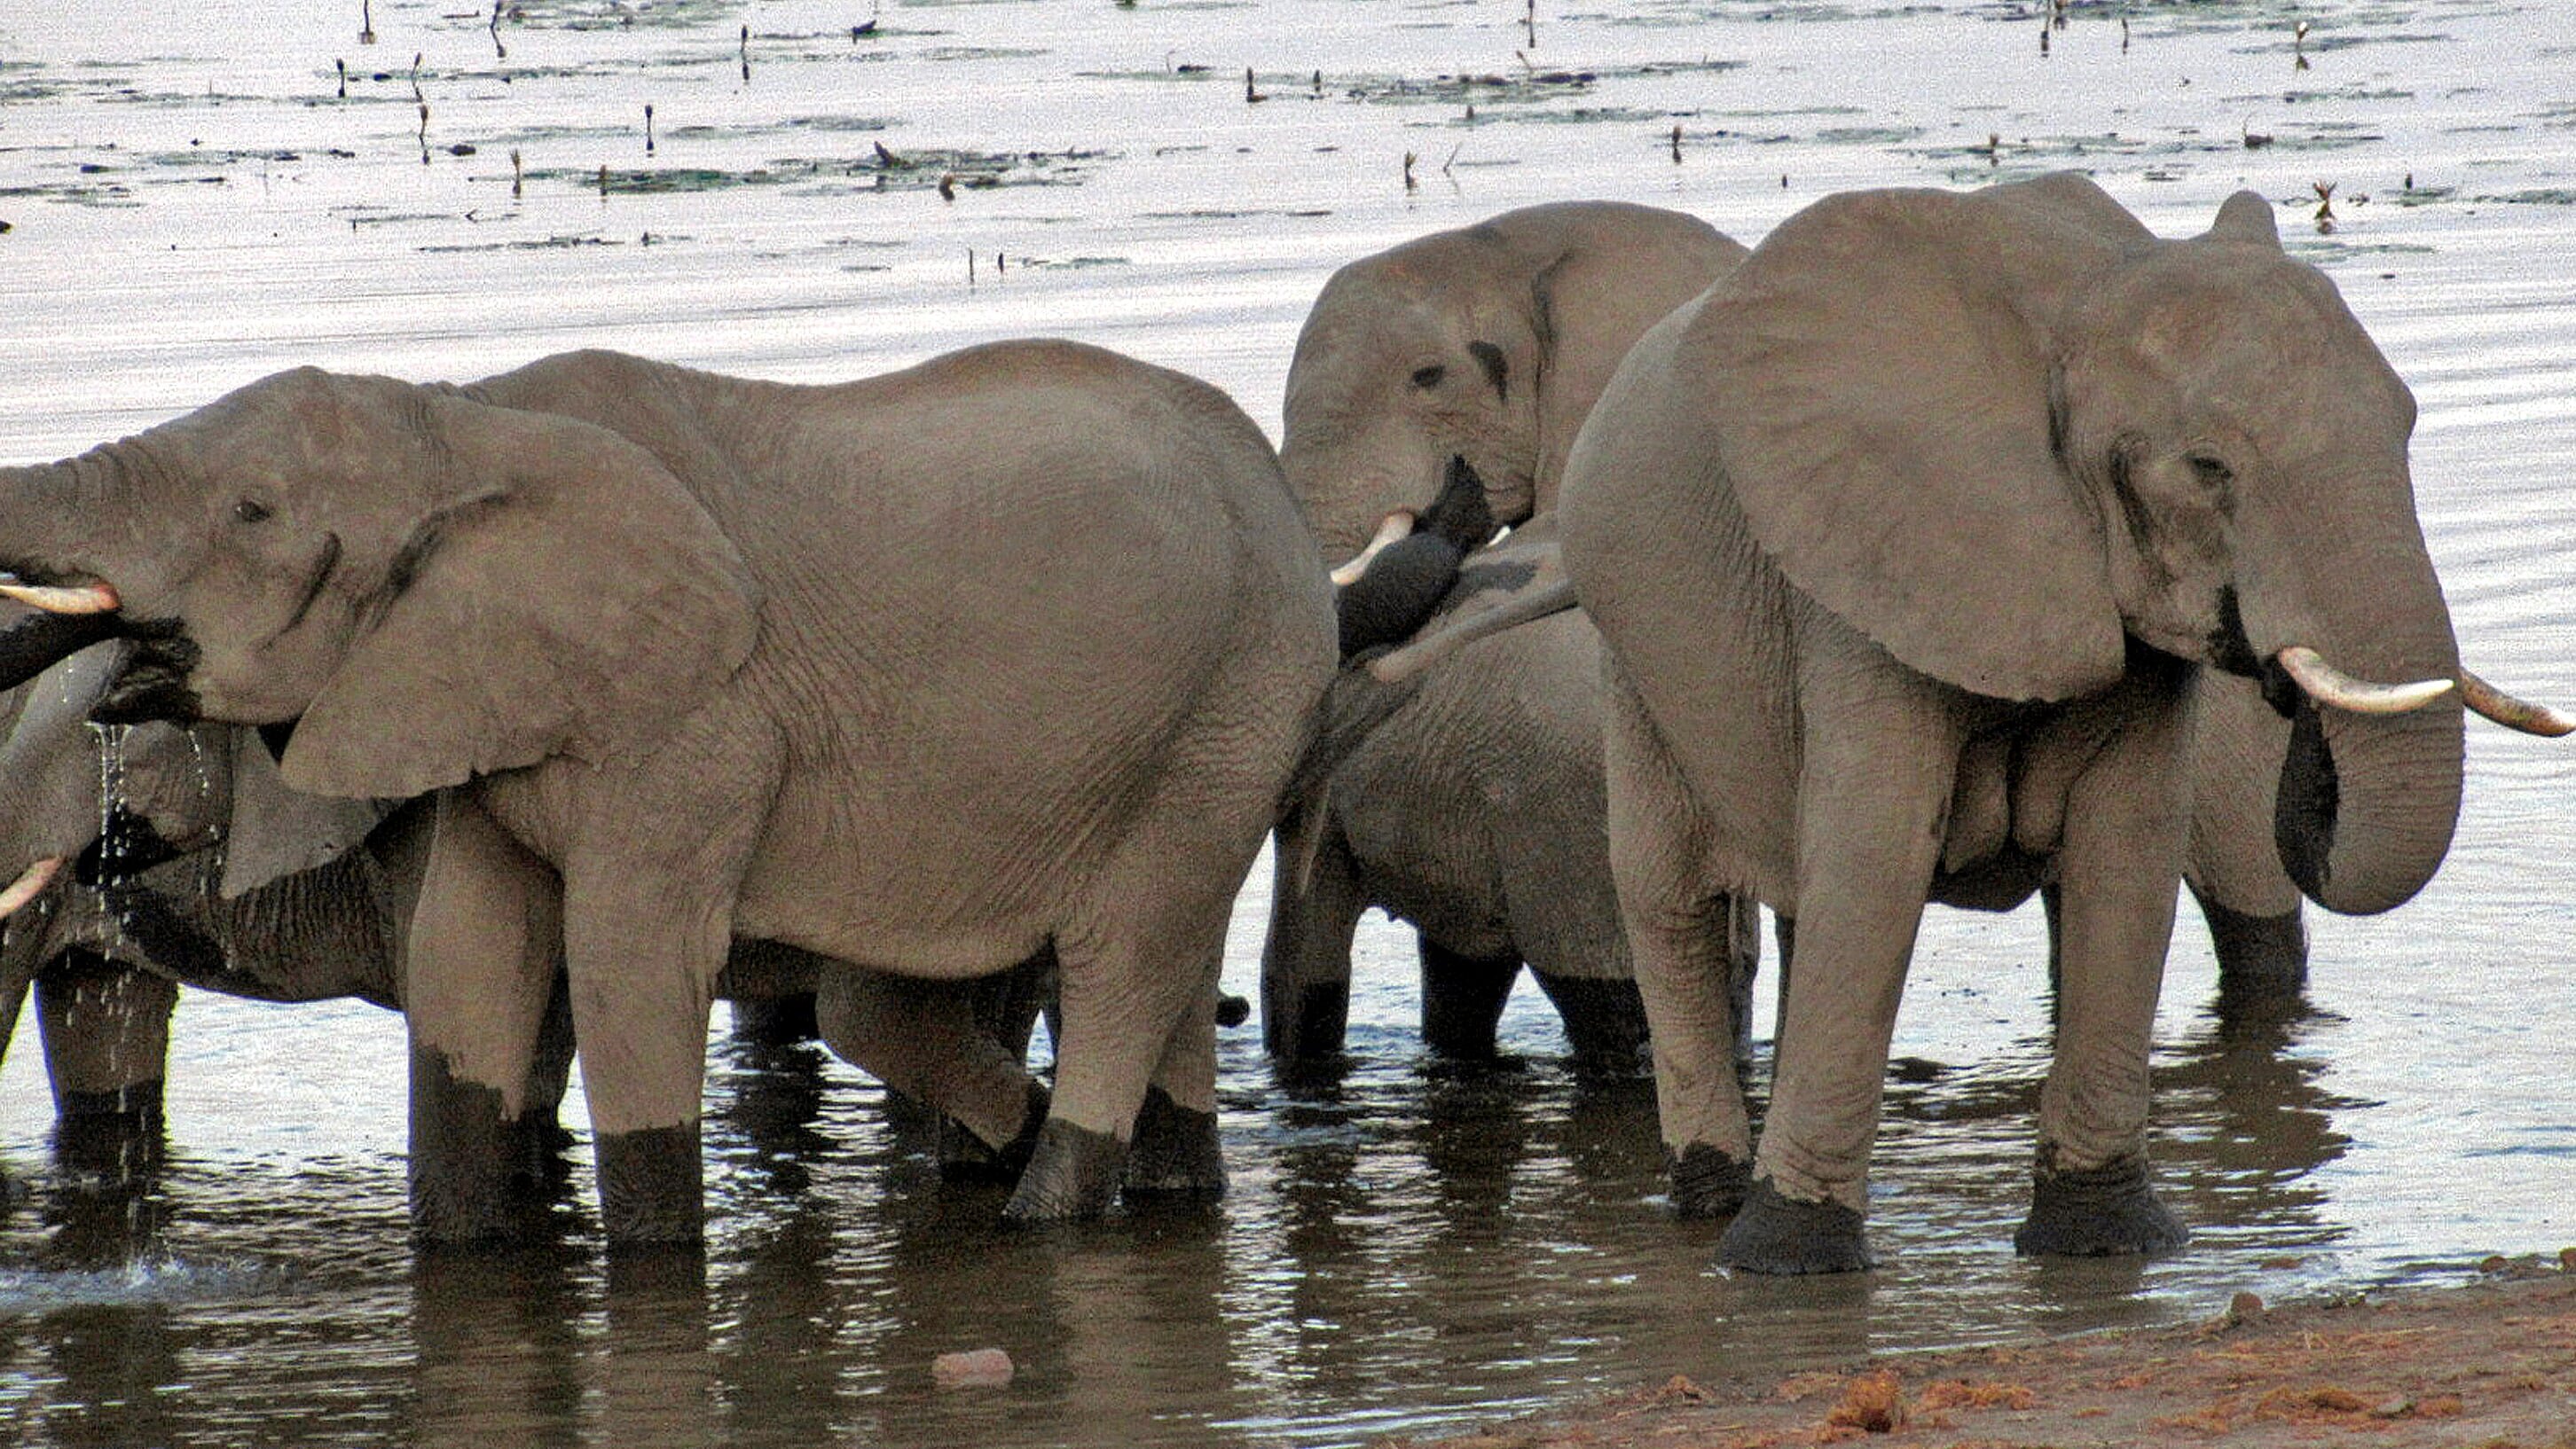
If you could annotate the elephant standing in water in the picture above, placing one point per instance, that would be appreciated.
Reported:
(191, 863)
(1474, 809)
(1911, 543)
(933, 672)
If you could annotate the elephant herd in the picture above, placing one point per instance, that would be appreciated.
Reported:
(1949, 547)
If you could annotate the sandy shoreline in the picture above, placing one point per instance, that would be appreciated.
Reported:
(2491, 1362)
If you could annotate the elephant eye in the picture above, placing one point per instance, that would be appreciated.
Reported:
(2213, 475)
(251, 510)
(1428, 377)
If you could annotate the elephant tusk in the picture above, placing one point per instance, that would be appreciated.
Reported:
(2512, 713)
(72, 599)
(1397, 525)
(2328, 685)
(35, 878)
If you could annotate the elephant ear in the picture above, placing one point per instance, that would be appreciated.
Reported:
(1880, 379)
(276, 830)
(561, 594)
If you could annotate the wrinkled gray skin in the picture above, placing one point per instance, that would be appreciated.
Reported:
(932, 671)
(1910, 543)
(1474, 810)
(211, 873)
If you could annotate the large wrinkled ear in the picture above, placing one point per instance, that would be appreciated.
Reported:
(1879, 375)
(277, 831)
(566, 596)
(1595, 300)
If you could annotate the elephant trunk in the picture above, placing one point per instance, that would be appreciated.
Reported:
(66, 611)
(2367, 801)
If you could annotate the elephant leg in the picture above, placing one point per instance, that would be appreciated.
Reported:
(1306, 959)
(106, 1031)
(1872, 800)
(1126, 992)
(479, 971)
(1463, 998)
(539, 1131)
(1176, 1150)
(1677, 929)
(929, 1042)
(1605, 1022)
(2262, 960)
(2120, 861)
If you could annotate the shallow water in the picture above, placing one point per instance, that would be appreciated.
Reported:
(193, 205)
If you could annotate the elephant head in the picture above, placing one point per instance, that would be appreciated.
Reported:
(426, 587)
(1487, 343)
(2040, 439)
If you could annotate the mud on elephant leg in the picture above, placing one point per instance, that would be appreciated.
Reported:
(481, 971)
(539, 1169)
(1605, 1022)
(1138, 1002)
(1680, 938)
(106, 1031)
(2121, 858)
(1463, 998)
(1176, 1151)
(2262, 960)
(1306, 959)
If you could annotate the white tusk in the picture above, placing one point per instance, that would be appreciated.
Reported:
(29, 884)
(2512, 713)
(84, 599)
(1397, 525)
(2328, 685)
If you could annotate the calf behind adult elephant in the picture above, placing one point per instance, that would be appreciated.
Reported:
(1474, 810)
(1488, 343)
(1010, 650)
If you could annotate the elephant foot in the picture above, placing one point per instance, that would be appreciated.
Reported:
(965, 1157)
(1176, 1150)
(1776, 1234)
(539, 1168)
(1072, 1174)
(464, 1153)
(1462, 1000)
(1707, 1183)
(2261, 959)
(650, 1187)
(1308, 1022)
(2098, 1212)
(1605, 1024)
(109, 1140)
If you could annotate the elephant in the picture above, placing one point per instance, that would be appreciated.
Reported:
(1473, 352)
(197, 866)
(1911, 543)
(1008, 652)
(1438, 846)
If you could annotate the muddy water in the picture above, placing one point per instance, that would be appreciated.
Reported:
(192, 203)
